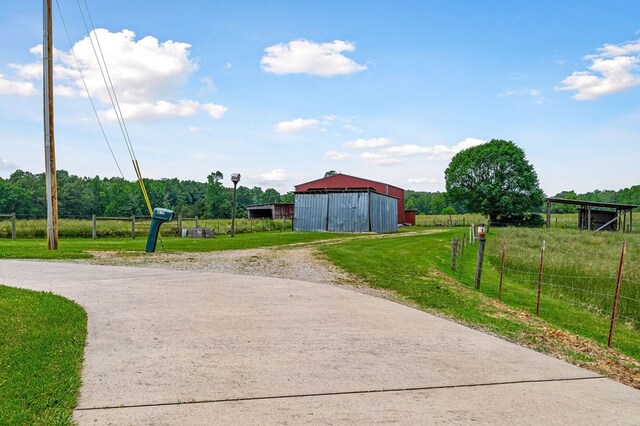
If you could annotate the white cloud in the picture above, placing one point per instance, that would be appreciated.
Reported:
(6, 164)
(435, 151)
(275, 175)
(377, 159)
(423, 180)
(147, 74)
(163, 109)
(20, 88)
(308, 57)
(613, 69)
(296, 125)
(335, 155)
(368, 143)
(352, 128)
(534, 95)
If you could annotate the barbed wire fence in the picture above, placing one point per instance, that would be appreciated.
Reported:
(613, 294)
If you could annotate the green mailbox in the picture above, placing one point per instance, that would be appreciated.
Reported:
(159, 217)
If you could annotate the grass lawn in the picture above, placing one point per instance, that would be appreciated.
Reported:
(418, 269)
(42, 340)
(78, 248)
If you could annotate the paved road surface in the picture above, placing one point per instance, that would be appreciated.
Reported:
(181, 347)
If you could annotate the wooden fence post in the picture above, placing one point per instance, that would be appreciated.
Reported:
(504, 252)
(454, 253)
(540, 277)
(180, 225)
(94, 230)
(479, 263)
(614, 312)
(133, 226)
(197, 222)
(13, 226)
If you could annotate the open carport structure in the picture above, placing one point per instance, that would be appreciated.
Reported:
(597, 216)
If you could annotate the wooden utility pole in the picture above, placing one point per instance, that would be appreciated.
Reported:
(49, 145)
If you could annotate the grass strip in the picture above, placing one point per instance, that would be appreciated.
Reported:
(78, 248)
(418, 269)
(42, 338)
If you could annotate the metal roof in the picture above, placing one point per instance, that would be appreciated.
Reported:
(592, 203)
(350, 176)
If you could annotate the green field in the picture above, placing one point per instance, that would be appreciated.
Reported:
(41, 347)
(83, 228)
(418, 268)
(78, 248)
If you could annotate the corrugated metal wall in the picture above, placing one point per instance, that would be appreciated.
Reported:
(310, 212)
(345, 212)
(384, 213)
(348, 212)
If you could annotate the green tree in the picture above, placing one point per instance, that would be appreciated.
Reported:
(215, 196)
(494, 178)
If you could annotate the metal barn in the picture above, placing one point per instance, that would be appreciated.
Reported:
(344, 182)
(345, 211)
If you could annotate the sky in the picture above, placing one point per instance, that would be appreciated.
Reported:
(283, 91)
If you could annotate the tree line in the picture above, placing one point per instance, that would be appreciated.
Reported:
(24, 193)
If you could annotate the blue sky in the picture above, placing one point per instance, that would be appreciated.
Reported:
(282, 91)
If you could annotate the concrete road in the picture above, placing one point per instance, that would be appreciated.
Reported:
(180, 347)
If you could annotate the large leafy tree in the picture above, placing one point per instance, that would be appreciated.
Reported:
(494, 178)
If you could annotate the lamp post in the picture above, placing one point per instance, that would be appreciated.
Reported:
(235, 178)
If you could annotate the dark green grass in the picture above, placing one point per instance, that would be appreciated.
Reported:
(76, 248)
(42, 339)
(407, 265)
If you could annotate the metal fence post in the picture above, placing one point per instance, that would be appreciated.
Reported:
(94, 230)
(13, 226)
(540, 277)
(614, 312)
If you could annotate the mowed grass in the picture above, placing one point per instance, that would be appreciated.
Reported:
(418, 269)
(78, 248)
(83, 228)
(42, 339)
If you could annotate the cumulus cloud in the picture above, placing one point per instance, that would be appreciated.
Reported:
(377, 159)
(435, 151)
(368, 143)
(275, 175)
(147, 74)
(613, 69)
(296, 125)
(6, 164)
(335, 155)
(19, 88)
(308, 57)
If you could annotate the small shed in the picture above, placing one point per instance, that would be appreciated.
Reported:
(410, 217)
(597, 216)
(270, 211)
(345, 211)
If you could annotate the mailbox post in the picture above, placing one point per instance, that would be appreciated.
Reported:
(481, 238)
(235, 178)
(159, 217)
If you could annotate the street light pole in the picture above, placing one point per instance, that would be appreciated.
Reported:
(235, 178)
